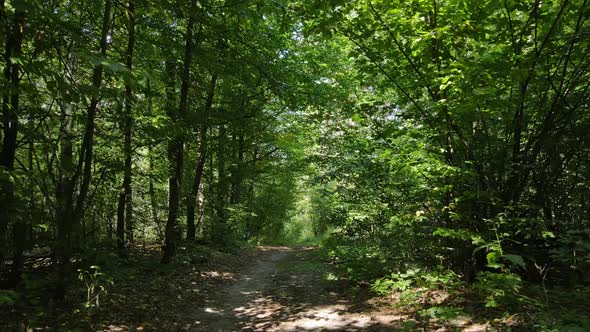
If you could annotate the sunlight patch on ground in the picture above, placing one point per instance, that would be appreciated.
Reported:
(260, 308)
(218, 275)
(475, 328)
(116, 328)
(270, 248)
(332, 317)
(214, 311)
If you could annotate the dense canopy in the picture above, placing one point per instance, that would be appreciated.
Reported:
(440, 143)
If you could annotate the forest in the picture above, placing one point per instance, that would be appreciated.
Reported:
(242, 165)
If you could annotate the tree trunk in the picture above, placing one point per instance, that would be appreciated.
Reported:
(10, 111)
(169, 234)
(201, 200)
(72, 215)
(129, 126)
(88, 140)
(125, 209)
(192, 199)
(176, 146)
(21, 227)
(63, 197)
(237, 176)
(254, 159)
(234, 166)
(221, 188)
(120, 230)
(151, 190)
(5, 186)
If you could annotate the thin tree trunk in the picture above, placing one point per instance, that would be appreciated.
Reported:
(125, 209)
(201, 200)
(210, 200)
(4, 187)
(234, 166)
(20, 228)
(192, 199)
(64, 190)
(170, 105)
(69, 222)
(176, 147)
(237, 176)
(10, 111)
(129, 126)
(64, 196)
(88, 141)
(120, 228)
(221, 187)
(151, 189)
(252, 180)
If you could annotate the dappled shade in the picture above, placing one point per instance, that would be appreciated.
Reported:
(294, 165)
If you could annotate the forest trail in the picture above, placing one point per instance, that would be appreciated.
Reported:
(285, 290)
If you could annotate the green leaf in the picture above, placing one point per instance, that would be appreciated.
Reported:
(515, 259)
(357, 118)
(8, 297)
(492, 257)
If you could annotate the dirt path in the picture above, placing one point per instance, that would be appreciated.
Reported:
(285, 289)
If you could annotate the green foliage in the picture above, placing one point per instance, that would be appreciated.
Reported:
(573, 248)
(408, 283)
(498, 288)
(429, 156)
(358, 261)
(397, 281)
(8, 297)
(97, 283)
(442, 313)
(571, 322)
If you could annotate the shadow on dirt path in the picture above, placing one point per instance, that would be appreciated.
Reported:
(285, 289)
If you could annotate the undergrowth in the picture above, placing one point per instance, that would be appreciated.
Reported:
(503, 301)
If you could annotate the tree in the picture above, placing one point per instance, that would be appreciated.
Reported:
(69, 220)
(10, 112)
(125, 209)
(203, 152)
(176, 146)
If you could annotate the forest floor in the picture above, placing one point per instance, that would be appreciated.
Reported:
(273, 289)
(261, 289)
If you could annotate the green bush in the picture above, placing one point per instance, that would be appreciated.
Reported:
(498, 288)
